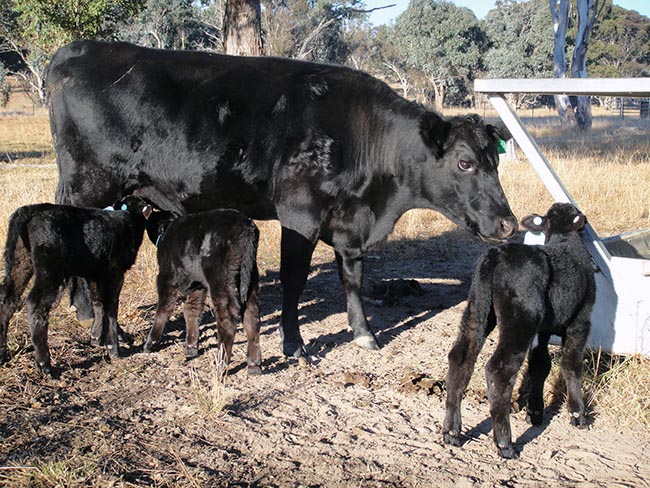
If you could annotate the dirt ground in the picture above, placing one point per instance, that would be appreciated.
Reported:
(350, 418)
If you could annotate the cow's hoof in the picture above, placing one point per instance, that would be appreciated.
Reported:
(254, 370)
(293, 350)
(578, 420)
(191, 352)
(535, 417)
(508, 452)
(452, 439)
(367, 342)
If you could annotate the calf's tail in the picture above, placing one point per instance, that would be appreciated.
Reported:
(18, 271)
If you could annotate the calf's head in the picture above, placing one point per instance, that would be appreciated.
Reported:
(460, 177)
(135, 205)
(561, 218)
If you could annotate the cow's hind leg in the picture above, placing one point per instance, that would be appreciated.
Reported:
(192, 313)
(351, 273)
(296, 252)
(251, 322)
(462, 359)
(573, 346)
(539, 366)
(11, 291)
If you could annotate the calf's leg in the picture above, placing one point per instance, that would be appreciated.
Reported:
(97, 331)
(192, 313)
(252, 328)
(110, 293)
(226, 321)
(462, 358)
(166, 299)
(40, 299)
(573, 346)
(539, 366)
(11, 291)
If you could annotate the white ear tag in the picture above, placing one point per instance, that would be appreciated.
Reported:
(534, 238)
(537, 220)
(124, 207)
(109, 208)
(575, 221)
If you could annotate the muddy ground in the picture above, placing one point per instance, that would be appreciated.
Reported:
(349, 418)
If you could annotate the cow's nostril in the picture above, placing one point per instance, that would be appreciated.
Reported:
(508, 227)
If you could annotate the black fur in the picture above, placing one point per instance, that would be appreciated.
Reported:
(331, 152)
(211, 252)
(531, 292)
(54, 243)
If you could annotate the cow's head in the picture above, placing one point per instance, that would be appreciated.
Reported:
(460, 178)
(561, 218)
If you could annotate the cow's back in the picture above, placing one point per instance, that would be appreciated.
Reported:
(207, 130)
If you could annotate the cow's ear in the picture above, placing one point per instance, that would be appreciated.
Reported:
(498, 131)
(533, 223)
(435, 132)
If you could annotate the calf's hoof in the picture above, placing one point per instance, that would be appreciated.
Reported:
(191, 352)
(508, 452)
(148, 347)
(113, 351)
(535, 417)
(95, 341)
(44, 367)
(452, 439)
(254, 370)
(578, 419)
(367, 342)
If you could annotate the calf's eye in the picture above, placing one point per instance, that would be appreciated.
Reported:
(465, 165)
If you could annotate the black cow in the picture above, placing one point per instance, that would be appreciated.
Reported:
(214, 252)
(331, 152)
(532, 292)
(56, 242)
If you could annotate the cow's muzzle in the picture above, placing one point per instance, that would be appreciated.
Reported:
(506, 229)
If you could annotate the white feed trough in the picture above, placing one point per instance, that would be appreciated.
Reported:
(621, 315)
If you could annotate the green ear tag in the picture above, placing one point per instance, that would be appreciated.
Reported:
(501, 146)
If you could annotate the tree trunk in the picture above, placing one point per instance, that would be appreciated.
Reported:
(242, 28)
(560, 15)
(587, 15)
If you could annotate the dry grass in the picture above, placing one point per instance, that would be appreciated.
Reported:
(607, 171)
(211, 396)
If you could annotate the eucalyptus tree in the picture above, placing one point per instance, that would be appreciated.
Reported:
(442, 41)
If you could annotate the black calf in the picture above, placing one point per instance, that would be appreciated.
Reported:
(56, 242)
(210, 252)
(532, 292)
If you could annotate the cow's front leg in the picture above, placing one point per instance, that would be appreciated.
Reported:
(351, 273)
(294, 268)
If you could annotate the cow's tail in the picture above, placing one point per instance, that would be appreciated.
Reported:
(249, 276)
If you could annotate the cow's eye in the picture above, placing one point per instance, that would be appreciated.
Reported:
(465, 165)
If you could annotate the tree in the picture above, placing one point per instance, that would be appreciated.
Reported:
(620, 44)
(578, 114)
(242, 28)
(442, 41)
(315, 30)
(34, 29)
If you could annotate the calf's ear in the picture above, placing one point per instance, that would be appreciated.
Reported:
(434, 131)
(579, 222)
(146, 211)
(534, 223)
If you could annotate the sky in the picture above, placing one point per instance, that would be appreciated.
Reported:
(480, 8)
